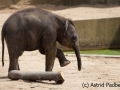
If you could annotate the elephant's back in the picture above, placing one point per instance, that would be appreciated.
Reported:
(30, 25)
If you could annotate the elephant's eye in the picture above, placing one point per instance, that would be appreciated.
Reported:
(74, 38)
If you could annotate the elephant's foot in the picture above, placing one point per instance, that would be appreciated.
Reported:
(65, 63)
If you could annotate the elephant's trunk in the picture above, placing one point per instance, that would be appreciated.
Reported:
(77, 52)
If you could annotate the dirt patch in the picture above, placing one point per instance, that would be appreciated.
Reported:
(95, 70)
(80, 12)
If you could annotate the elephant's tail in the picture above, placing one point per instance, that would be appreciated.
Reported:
(2, 37)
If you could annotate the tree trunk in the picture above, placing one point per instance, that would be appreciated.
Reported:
(33, 76)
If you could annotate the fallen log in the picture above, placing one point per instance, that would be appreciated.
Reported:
(33, 76)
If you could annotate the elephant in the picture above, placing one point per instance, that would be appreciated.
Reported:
(38, 29)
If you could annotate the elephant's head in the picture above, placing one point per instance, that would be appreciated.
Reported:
(70, 39)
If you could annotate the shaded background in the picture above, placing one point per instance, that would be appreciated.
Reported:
(58, 2)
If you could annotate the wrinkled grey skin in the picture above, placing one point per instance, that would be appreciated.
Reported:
(36, 29)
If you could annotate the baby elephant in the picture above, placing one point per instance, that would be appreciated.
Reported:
(36, 29)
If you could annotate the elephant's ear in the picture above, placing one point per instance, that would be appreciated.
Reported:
(66, 25)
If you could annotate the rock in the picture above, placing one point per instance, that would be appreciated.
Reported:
(2, 6)
(14, 7)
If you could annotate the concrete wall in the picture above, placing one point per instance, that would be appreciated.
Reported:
(98, 33)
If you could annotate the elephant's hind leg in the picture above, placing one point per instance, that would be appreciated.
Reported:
(14, 53)
(13, 57)
(13, 65)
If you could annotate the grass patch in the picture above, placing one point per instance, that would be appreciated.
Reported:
(98, 52)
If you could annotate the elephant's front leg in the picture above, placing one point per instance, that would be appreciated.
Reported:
(50, 58)
(63, 61)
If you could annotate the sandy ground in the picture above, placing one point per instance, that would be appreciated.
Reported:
(95, 70)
